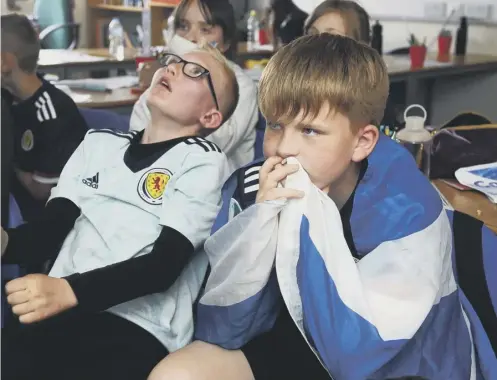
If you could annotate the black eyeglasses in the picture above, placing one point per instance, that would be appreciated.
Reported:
(190, 69)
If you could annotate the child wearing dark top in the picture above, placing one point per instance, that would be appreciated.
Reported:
(47, 124)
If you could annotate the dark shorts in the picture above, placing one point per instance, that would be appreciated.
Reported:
(99, 346)
(283, 353)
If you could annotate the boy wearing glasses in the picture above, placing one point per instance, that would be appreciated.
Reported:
(123, 224)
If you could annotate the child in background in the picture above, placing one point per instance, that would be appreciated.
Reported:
(343, 17)
(48, 126)
(323, 97)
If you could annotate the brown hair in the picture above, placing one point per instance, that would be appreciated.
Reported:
(20, 38)
(215, 12)
(355, 17)
(315, 70)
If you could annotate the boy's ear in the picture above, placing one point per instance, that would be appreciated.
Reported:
(367, 137)
(212, 119)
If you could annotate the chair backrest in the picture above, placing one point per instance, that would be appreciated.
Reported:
(100, 119)
(52, 12)
(260, 128)
(475, 260)
(466, 118)
(15, 217)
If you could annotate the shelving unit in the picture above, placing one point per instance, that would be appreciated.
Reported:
(100, 14)
(157, 4)
(116, 8)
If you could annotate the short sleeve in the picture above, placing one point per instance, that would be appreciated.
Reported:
(193, 199)
(67, 186)
(57, 138)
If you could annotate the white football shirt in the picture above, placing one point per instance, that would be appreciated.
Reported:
(123, 208)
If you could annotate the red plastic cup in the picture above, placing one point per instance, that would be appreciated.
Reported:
(418, 56)
(263, 37)
(444, 43)
(140, 60)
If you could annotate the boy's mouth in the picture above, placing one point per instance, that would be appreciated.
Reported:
(165, 83)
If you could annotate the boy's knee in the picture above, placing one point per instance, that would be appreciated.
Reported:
(202, 361)
(168, 370)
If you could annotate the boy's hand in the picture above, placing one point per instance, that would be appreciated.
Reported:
(5, 240)
(274, 171)
(36, 297)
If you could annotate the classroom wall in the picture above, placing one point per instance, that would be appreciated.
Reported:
(80, 16)
(25, 5)
(396, 32)
(474, 93)
(481, 37)
(431, 8)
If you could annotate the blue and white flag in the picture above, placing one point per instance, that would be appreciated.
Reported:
(395, 312)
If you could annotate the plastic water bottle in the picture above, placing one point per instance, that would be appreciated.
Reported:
(116, 39)
(252, 31)
(377, 37)
(417, 139)
(146, 43)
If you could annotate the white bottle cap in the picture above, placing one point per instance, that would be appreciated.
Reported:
(414, 131)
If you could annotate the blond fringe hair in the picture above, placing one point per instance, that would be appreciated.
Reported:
(318, 70)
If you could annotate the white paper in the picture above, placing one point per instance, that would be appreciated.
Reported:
(480, 177)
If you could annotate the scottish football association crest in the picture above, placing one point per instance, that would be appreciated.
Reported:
(153, 184)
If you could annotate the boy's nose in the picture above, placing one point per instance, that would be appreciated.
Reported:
(287, 147)
(172, 69)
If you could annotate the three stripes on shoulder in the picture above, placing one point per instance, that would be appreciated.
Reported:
(127, 135)
(207, 146)
(45, 109)
(203, 143)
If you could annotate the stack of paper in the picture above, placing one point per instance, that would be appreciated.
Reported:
(100, 84)
(59, 56)
(480, 177)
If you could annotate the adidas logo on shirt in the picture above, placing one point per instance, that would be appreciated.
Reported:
(91, 181)
(45, 109)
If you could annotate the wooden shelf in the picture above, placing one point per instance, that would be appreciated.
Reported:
(162, 5)
(125, 8)
(117, 8)
(103, 13)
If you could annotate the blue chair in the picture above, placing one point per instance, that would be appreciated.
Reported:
(260, 128)
(56, 22)
(100, 119)
(15, 217)
(474, 255)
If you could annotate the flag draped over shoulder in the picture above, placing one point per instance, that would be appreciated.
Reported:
(396, 312)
